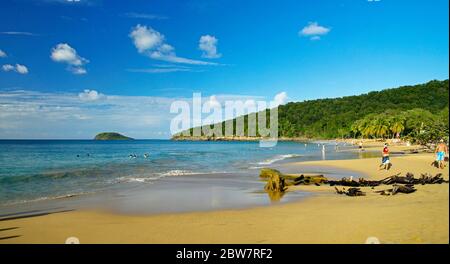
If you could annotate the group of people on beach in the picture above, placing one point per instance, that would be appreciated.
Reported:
(441, 151)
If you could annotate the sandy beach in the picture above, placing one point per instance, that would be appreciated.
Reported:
(325, 217)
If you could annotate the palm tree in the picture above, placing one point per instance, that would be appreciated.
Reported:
(397, 125)
(379, 127)
(364, 126)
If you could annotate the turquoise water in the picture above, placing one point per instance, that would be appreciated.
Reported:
(33, 170)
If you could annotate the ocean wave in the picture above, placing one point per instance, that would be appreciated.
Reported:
(255, 167)
(278, 158)
(154, 177)
(135, 179)
(179, 173)
(46, 198)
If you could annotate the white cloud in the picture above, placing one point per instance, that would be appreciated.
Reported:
(314, 31)
(373, 0)
(313, 28)
(144, 16)
(163, 70)
(90, 95)
(208, 44)
(146, 38)
(64, 53)
(7, 67)
(250, 104)
(22, 69)
(280, 98)
(70, 18)
(30, 114)
(152, 43)
(166, 68)
(73, 2)
(213, 102)
(19, 33)
(77, 70)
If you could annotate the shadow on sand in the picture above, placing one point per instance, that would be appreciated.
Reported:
(22, 215)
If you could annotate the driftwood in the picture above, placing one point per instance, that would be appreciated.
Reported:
(306, 180)
(278, 182)
(267, 173)
(398, 189)
(290, 179)
(351, 183)
(275, 182)
(409, 179)
(350, 192)
(395, 179)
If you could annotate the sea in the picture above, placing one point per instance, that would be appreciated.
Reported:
(147, 176)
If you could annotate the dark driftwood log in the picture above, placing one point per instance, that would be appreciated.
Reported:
(306, 180)
(351, 183)
(350, 192)
(395, 179)
(276, 181)
(398, 189)
(267, 173)
(289, 179)
(403, 189)
(428, 179)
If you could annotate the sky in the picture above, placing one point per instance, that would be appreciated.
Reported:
(73, 68)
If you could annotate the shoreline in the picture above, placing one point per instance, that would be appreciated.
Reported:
(421, 217)
(238, 139)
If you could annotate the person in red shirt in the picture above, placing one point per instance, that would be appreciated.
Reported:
(385, 161)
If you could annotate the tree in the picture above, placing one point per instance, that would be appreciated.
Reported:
(326, 118)
(397, 125)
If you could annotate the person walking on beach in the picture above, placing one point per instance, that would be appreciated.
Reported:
(385, 161)
(360, 146)
(441, 151)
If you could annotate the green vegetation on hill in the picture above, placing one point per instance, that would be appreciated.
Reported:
(111, 136)
(419, 112)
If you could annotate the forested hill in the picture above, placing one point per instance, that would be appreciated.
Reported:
(332, 118)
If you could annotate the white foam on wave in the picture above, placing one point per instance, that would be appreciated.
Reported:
(256, 167)
(179, 173)
(278, 158)
(135, 179)
(153, 177)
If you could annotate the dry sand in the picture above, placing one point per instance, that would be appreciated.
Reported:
(420, 217)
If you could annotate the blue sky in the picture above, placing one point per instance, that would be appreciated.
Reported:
(143, 50)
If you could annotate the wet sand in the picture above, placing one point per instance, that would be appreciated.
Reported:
(420, 217)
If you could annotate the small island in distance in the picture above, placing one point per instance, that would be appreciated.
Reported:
(111, 136)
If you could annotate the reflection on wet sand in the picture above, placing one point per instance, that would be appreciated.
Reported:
(275, 196)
